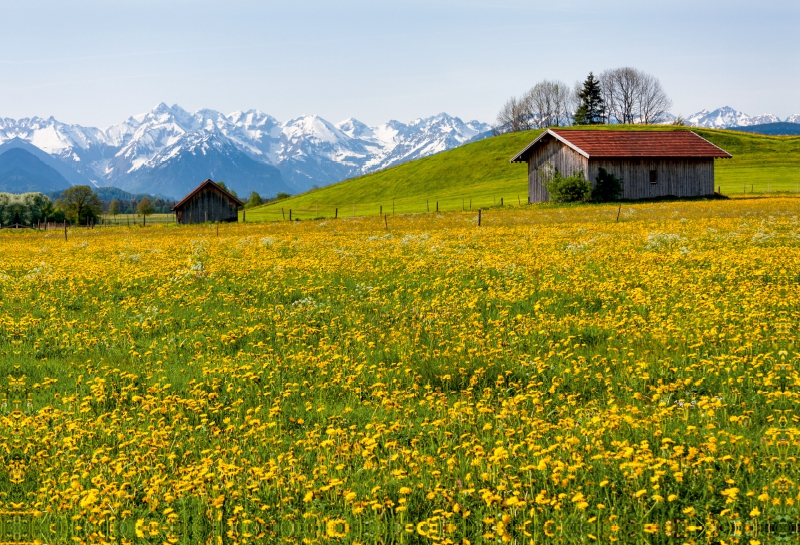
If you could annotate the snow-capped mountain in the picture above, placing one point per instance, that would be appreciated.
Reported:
(168, 150)
(727, 117)
(763, 119)
(719, 118)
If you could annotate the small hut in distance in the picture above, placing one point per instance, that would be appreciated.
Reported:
(208, 202)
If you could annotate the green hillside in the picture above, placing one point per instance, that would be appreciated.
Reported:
(480, 175)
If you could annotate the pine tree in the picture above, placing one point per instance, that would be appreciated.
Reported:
(591, 108)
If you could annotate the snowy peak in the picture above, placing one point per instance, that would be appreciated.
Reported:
(313, 127)
(763, 119)
(308, 150)
(727, 117)
(719, 118)
(354, 128)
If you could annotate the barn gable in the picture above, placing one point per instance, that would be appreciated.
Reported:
(208, 202)
(651, 163)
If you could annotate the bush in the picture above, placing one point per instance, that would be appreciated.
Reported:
(280, 196)
(607, 188)
(568, 189)
(254, 200)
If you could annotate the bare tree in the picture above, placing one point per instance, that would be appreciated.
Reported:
(546, 104)
(653, 102)
(514, 116)
(551, 103)
(620, 88)
(632, 96)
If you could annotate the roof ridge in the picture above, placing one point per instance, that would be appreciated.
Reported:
(631, 144)
(201, 186)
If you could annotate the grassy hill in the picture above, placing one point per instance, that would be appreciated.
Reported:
(479, 175)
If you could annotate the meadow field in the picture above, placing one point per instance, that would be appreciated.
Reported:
(555, 375)
(479, 175)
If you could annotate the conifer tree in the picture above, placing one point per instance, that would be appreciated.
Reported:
(591, 108)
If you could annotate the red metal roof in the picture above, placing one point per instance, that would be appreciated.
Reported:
(598, 144)
(201, 186)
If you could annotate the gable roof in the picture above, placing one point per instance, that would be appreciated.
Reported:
(602, 144)
(203, 185)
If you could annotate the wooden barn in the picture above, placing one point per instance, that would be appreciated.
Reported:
(651, 163)
(208, 202)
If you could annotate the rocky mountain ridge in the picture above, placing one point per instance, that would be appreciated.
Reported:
(165, 151)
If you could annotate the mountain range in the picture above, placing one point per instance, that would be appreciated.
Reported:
(726, 118)
(169, 151)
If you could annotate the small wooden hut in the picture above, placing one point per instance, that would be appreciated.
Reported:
(208, 202)
(651, 164)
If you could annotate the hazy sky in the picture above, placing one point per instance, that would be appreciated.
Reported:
(95, 62)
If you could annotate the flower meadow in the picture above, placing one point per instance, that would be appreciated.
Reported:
(555, 375)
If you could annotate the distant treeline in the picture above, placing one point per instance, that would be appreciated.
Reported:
(83, 205)
(621, 95)
(126, 203)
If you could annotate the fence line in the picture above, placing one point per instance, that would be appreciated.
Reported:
(456, 203)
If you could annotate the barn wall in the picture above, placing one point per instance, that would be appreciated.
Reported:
(562, 157)
(674, 177)
(208, 201)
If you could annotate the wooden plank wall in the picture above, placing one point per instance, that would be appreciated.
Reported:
(563, 158)
(209, 205)
(674, 177)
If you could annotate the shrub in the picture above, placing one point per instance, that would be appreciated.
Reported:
(607, 187)
(568, 189)
(254, 200)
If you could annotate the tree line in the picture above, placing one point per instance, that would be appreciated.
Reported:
(621, 95)
(81, 205)
(78, 205)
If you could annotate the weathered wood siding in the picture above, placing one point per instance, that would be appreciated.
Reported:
(209, 204)
(674, 177)
(562, 157)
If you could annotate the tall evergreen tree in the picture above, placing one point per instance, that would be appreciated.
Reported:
(591, 108)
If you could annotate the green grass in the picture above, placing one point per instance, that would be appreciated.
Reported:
(132, 219)
(480, 175)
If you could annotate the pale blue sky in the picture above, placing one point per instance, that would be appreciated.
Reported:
(95, 62)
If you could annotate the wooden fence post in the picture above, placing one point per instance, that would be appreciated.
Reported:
(283, 214)
(381, 212)
(437, 207)
(65, 230)
(336, 214)
(244, 216)
(290, 214)
(386, 221)
(428, 205)
(479, 217)
(501, 201)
